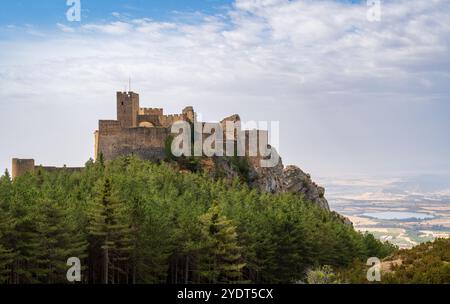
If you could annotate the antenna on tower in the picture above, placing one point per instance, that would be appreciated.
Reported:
(129, 84)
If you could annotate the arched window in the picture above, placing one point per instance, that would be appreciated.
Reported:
(146, 124)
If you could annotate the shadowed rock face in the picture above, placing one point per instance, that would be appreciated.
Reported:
(288, 179)
(297, 181)
(291, 179)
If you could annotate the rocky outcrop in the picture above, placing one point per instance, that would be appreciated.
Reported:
(297, 181)
(267, 179)
(290, 179)
(342, 218)
(278, 179)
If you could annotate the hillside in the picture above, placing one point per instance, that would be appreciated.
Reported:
(133, 221)
(427, 263)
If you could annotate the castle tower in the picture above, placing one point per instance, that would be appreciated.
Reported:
(189, 113)
(127, 109)
(21, 166)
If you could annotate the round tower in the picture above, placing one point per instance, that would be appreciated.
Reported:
(21, 166)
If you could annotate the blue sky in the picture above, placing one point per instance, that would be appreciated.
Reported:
(49, 12)
(353, 97)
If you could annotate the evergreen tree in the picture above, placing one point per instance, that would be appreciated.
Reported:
(111, 234)
(6, 255)
(149, 223)
(221, 255)
(58, 241)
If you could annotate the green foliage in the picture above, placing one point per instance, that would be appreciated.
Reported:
(168, 149)
(427, 263)
(133, 221)
(322, 275)
(220, 255)
(242, 166)
(110, 233)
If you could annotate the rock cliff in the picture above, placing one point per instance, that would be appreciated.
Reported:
(277, 179)
(288, 179)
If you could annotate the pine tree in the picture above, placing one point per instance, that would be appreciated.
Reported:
(221, 260)
(111, 232)
(6, 255)
(58, 240)
(22, 239)
(5, 189)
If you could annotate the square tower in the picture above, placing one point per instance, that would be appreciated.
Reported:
(127, 109)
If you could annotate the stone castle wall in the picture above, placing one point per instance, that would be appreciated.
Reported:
(137, 131)
(149, 118)
(151, 111)
(109, 127)
(23, 166)
(146, 143)
(168, 120)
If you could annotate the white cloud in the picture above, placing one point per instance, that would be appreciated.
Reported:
(65, 28)
(352, 95)
(113, 28)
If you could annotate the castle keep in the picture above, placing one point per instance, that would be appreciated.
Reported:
(137, 131)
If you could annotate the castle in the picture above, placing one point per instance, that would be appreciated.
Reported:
(137, 131)
(142, 132)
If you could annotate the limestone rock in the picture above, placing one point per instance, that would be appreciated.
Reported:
(290, 179)
(342, 218)
(297, 181)
(267, 179)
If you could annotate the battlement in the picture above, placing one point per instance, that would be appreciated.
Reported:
(127, 95)
(151, 111)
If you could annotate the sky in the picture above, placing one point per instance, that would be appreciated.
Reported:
(354, 96)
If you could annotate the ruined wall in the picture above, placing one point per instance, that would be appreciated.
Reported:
(254, 140)
(168, 120)
(189, 114)
(145, 143)
(22, 166)
(58, 169)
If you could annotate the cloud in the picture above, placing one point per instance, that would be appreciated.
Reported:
(351, 95)
(113, 28)
(65, 28)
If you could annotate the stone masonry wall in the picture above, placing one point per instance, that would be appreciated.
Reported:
(21, 166)
(146, 143)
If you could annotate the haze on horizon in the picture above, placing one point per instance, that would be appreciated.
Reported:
(353, 97)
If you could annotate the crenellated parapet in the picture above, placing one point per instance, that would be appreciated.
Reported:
(151, 111)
